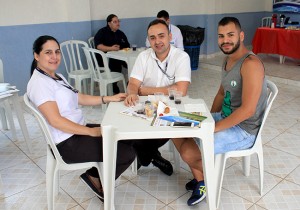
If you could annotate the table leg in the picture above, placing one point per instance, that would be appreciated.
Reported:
(10, 119)
(109, 166)
(208, 169)
(20, 116)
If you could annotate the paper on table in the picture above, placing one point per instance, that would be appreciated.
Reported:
(194, 108)
(131, 112)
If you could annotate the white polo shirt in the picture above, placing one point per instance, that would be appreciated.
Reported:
(146, 68)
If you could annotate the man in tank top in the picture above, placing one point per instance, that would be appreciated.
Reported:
(237, 108)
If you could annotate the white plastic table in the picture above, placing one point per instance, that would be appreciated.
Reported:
(128, 56)
(14, 97)
(116, 126)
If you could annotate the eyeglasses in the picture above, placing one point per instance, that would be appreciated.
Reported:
(116, 21)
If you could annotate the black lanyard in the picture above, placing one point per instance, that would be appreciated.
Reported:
(165, 71)
(58, 79)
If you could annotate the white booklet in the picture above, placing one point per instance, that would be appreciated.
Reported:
(131, 111)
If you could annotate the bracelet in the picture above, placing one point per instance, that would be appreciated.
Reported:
(102, 98)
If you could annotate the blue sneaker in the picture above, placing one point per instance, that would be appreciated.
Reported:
(199, 193)
(190, 186)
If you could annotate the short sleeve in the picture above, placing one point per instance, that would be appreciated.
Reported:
(41, 90)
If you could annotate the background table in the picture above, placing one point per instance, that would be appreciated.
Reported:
(128, 56)
(279, 41)
(117, 126)
(14, 97)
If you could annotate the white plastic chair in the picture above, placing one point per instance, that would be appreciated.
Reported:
(266, 22)
(220, 159)
(91, 42)
(102, 75)
(5, 110)
(54, 160)
(72, 53)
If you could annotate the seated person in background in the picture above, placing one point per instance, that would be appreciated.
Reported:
(110, 38)
(58, 102)
(238, 107)
(177, 39)
(155, 70)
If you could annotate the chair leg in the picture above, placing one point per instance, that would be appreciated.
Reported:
(246, 165)
(103, 92)
(85, 86)
(50, 173)
(78, 85)
(1, 186)
(92, 87)
(134, 166)
(281, 59)
(124, 84)
(260, 158)
(56, 182)
(109, 90)
(10, 120)
(220, 163)
(3, 119)
(176, 156)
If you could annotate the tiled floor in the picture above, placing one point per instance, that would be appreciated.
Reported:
(23, 174)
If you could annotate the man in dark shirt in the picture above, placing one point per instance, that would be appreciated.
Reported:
(110, 38)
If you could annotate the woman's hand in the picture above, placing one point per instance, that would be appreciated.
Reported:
(117, 97)
(95, 131)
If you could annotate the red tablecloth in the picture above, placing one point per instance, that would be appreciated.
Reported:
(277, 41)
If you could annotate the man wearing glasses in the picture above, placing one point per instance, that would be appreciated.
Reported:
(156, 69)
(110, 38)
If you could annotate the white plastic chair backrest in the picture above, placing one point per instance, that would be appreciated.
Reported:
(266, 21)
(93, 63)
(91, 42)
(273, 91)
(1, 71)
(71, 53)
(44, 126)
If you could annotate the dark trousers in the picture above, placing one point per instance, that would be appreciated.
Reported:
(146, 149)
(116, 65)
(83, 148)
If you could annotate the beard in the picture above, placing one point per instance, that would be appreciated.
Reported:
(233, 50)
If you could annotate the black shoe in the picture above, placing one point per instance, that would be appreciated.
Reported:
(190, 186)
(164, 165)
(85, 179)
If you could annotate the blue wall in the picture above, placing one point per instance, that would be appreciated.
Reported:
(16, 41)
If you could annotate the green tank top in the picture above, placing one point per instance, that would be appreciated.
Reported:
(232, 84)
